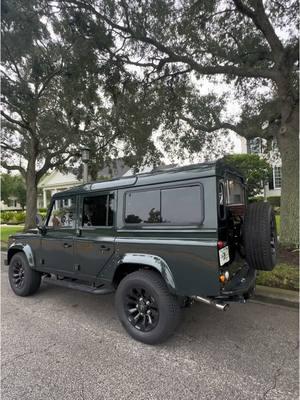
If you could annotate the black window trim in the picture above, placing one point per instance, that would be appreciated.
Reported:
(80, 210)
(160, 188)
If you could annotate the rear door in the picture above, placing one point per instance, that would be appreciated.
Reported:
(95, 241)
(57, 245)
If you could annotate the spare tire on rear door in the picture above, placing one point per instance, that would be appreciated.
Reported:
(260, 236)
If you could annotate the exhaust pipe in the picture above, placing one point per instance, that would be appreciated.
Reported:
(219, 306)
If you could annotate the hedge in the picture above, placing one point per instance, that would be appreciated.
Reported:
(17, 217)
(12, 217)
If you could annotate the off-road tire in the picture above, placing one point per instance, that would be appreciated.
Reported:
(31, 278)
(260, 236)
(169, 310)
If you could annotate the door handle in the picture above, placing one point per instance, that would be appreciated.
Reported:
(104, 248)
(67, 245)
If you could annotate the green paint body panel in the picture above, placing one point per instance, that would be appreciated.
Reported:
(185, 256)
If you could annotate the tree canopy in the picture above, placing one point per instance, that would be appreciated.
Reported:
(13, 186)
(255, 169)
(252, 45)
(109, 73)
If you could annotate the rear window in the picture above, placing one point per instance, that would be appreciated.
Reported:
(235, 193)
(172, 206)
(181, 206)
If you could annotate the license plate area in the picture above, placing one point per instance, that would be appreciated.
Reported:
(224, 255)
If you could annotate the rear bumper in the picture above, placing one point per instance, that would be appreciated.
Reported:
(241, 286)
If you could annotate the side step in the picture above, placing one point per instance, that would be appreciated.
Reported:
(69, 284)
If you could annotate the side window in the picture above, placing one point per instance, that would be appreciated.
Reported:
(63, 213)
(174, 206)
(142, 207)
(98, 210)
(182, 206)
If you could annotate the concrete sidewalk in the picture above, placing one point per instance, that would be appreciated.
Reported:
(277, 296)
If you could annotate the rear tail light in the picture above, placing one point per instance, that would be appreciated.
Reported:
(221, 244)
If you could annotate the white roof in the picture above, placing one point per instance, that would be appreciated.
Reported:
(58, 179)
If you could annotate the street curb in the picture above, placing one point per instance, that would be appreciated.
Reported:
(271, 295)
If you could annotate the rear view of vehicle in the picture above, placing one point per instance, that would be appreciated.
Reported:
(247, 238)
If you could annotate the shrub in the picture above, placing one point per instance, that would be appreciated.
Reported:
(12, 217)
(19, 217)
(6, 216)
(42, 211)
(256, 199)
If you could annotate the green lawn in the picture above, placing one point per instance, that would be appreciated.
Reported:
(9, 230)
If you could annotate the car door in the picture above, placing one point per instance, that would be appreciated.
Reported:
(57, 244)
(94, 243)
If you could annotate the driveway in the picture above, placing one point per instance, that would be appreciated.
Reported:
(67, 345)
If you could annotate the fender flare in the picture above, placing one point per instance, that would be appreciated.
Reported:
(149, 260)
(24, 248)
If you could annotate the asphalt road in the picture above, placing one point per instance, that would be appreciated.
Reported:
(67, 345)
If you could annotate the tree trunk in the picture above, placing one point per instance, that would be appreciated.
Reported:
(31, 196)
(289, 209)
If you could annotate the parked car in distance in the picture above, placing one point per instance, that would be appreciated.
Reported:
(160, 240)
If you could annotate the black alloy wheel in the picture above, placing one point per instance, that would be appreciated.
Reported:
(23, 279)
(146, 308)
(18, 273)
(142, 309)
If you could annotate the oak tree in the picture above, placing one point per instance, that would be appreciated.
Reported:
(251, 44)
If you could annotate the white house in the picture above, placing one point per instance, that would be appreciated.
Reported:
(12, 205)
(57, 181)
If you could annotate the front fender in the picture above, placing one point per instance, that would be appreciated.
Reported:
(148, 260)
(25, 248)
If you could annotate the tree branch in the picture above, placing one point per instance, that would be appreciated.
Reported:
(14, 121)
(13, 168)
(47, 81)
(17, 150)
(262, 22)
(176, 58)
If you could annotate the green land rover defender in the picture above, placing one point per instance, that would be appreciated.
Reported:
(160, 240)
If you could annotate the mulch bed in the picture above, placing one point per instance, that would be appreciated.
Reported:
(288, 256)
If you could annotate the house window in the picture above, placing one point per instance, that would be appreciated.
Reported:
(12, 203)
(277, 177)
(255, 146)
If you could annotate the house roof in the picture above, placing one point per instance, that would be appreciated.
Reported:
(57, 179)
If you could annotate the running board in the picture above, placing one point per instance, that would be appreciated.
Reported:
(66, 283)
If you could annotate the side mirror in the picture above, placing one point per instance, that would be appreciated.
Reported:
(40, 224)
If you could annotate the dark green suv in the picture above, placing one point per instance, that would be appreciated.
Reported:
(160, 240)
